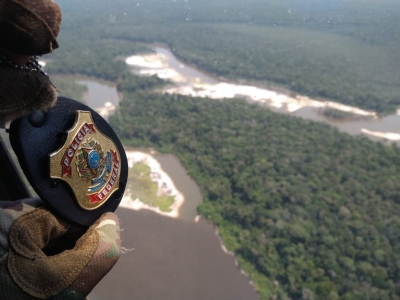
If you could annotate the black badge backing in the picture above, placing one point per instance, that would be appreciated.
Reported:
(35, 137)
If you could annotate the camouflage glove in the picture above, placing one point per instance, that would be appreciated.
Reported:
(42, 256)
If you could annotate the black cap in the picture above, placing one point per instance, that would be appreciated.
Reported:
(74, 150)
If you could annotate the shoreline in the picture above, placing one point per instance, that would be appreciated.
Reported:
(233, 255)
(164, 181)
(135, 156)
(107, 108)
(390, 136)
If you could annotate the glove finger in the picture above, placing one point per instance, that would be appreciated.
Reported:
(74, 272)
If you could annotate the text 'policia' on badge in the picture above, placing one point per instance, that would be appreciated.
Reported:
(70, 152)
(89, 162)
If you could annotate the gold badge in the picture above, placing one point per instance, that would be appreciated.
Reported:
(89, 162)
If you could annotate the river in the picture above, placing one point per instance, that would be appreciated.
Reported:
(171, 259)
(190, 81)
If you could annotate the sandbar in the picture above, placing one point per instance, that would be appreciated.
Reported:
(392, 136)
(165, 185)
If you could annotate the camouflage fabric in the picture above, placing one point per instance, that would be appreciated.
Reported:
(43, 256)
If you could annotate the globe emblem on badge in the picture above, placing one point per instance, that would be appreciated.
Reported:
(93, 163)
(93, 159)
(89, 162)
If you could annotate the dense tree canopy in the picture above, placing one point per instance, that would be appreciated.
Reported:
(311, 213)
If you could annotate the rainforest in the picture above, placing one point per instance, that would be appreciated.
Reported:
(310, 212)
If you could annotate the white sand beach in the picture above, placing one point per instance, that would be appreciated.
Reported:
(152, 61)
(106, 110)
(165, 185)
(392, 136)
(159, 64)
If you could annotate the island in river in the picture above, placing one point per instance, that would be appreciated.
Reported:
(150, 187)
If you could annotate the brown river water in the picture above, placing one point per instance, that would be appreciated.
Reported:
(171, 259)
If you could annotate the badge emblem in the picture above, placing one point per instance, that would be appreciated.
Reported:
(89, 162)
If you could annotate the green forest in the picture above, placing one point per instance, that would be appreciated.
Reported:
(67, 87)
(311, 213)
(342, 50)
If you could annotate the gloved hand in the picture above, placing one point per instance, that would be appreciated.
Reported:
(44, 256)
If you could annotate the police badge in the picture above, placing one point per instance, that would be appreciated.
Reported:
(73, 160)
(92, 173)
